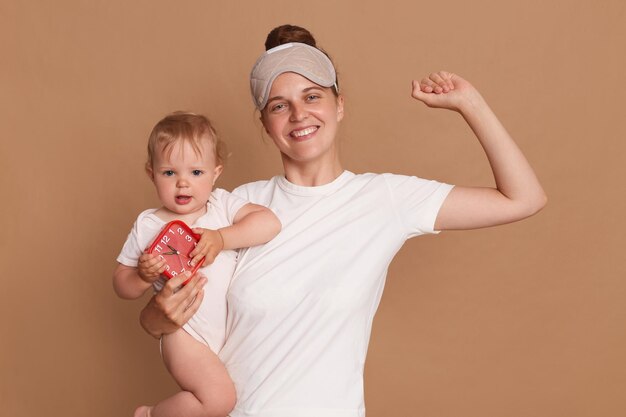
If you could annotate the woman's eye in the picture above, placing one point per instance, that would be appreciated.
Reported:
(196, 172)
(312, 97)
(277, 107)
(168, 173)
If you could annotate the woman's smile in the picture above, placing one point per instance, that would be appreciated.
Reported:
(303, 134)
(303, 118)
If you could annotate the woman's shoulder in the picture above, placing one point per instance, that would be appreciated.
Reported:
(251, 190)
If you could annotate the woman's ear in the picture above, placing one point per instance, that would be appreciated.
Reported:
(339, 108)
(263, 124)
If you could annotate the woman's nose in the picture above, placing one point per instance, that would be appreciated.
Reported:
(298, 113)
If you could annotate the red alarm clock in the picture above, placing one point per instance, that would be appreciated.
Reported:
(174, 244)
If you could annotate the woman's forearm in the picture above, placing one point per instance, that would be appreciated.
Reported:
(514, 177)
(517, 194)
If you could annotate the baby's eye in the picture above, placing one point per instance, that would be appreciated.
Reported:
(168, 173)
(197, 172)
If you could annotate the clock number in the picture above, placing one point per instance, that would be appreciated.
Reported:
(180, 231)
(157, 248)
(165, 240)
(188, 238)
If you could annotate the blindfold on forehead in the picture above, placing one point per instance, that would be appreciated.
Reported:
(300, 58)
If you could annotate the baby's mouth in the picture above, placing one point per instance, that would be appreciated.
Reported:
(183, 199)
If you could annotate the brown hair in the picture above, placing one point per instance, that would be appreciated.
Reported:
(291, 33)
(188, 127)
(288, 33)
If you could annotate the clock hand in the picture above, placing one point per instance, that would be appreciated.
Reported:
(173, 249)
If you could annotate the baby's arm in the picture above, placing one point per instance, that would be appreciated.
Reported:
(131, 283)
(253, 225)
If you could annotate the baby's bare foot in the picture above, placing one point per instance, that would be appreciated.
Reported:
(143, 411)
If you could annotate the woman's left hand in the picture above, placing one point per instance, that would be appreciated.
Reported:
(518, 194)
(444, 90)
(169, 309)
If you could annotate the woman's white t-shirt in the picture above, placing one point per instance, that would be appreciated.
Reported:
(300, 308)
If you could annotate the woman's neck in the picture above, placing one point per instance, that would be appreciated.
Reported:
(312, 173)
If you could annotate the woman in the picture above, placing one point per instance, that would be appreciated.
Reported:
(301, 307)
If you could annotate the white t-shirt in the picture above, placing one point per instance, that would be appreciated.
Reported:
(209, 323)
(301, 306)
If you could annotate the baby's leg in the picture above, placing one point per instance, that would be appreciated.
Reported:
(207, 390)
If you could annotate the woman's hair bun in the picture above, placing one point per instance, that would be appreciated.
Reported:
(288, 33)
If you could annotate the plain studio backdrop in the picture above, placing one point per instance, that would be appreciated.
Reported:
(521, 320)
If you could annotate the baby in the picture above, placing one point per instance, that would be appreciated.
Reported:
(185, 158)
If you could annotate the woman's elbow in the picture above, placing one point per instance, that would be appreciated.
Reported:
(536, 204)
(540, 201)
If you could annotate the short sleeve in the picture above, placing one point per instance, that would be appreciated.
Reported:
(130, 251)
(139, 238)
(417, 202)
(229, 202)
(242, 192)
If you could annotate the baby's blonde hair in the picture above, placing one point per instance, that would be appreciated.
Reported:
(188, 127)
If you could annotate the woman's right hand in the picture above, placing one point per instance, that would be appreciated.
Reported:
(445, 90)
(168, 310)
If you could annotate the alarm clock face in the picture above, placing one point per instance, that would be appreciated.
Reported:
(174, 244)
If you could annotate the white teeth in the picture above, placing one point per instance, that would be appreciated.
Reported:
(304, 132)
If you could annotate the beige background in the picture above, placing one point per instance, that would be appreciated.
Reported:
(521, 320)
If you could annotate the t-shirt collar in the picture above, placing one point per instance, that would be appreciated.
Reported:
(292, 188)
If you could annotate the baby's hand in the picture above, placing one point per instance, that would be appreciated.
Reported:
(150, 267)
(210, 245)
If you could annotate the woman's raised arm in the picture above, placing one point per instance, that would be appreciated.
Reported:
(518, 193)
